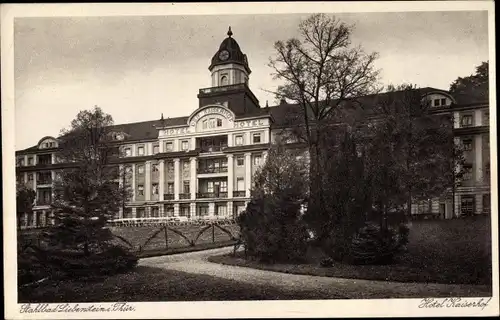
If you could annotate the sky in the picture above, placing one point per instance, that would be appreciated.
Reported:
(136, 68)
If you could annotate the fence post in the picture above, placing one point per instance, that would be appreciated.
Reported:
(166, 238)
(213, 232)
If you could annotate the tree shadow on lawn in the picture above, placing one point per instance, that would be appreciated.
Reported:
(156, 284)
(446, 252)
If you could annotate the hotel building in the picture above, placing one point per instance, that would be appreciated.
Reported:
(202, 165)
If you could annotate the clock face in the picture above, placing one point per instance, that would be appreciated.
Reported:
(224, 55)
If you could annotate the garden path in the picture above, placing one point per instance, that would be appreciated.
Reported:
(197, 263)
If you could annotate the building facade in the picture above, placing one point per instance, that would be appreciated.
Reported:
(201, 165)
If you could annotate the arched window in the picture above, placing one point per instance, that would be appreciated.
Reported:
(224, 81)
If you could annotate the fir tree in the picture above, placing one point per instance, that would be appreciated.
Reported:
(88, 193)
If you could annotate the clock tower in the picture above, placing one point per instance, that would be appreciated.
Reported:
(229, 65)
(229, 70)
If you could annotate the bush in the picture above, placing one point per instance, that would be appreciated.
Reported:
(326, 262)
(271, 231)
(114, 260)
(374, 245)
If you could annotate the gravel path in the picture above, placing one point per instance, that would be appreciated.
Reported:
(196, 263)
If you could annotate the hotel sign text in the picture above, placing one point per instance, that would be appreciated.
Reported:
(212, 110)
(250, 123)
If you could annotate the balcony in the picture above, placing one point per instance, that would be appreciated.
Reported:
(212, 170)
(215, 148)
(168, 196)
(238, 194)
(44, 181)
(208, 195)
(222, 89)
(184, 196)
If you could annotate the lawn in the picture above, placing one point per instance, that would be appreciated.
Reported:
(444, 251)
(155, 284)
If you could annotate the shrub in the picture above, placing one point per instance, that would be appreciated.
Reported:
(326, 262)
(114, 260)
(374, 245)
(270, 233)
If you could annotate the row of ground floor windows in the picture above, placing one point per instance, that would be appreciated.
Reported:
(185, 210)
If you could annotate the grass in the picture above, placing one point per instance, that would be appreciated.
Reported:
(155, 284)
(445, 251)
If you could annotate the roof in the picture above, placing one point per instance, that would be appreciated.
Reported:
(232, 47)
(283, 114)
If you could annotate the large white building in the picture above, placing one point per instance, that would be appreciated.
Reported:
(202, 165)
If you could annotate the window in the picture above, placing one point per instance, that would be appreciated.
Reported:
(223, 186)
(154, 167)
(140, 190)
(140, 169)
(155, 212)
(486, 203)
(487, 170)
(240, 161)
(224, 81)
(170, 167)
(30, 161)
(240, 184)
(211, 123)
(467, 144)
(128, 152)
(256, 138)
(184, 145)
(443, 101)
(169, 146)
(30, 176)
(467, 120)
(169, 210)
(210, 187)
(21, 161)
(437, 102)
(140, 151)
(486, 118)
(467, 175)
(156, 149)
(141, 212)
(186, 187)
(184, 210)
(239, 140)
(203, 210)
(170, 187)
(221, 210)
(219, 122)
(155, 188)
(467, 205)
(257, 160)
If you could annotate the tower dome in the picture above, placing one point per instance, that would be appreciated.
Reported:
(229, 52)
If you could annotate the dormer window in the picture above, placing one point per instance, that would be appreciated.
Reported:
(437, 102)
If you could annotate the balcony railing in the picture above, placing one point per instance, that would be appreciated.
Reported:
(184, 195)
(212, 170)
(168, 196)
(222, 89)
(44, 181)
(43, 202)
(218, 148)
(237, 194)
(206, 195)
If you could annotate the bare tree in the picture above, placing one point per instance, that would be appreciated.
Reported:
(320, 71)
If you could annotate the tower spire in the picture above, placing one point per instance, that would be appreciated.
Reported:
(229, 32)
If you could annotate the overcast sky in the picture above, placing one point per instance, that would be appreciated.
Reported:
(135, 68)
